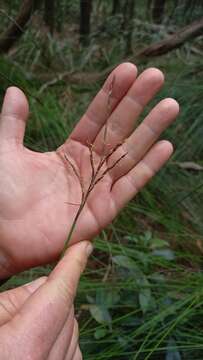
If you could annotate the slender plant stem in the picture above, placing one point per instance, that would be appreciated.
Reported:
(83, 202)
(72, 228)
(97, 173)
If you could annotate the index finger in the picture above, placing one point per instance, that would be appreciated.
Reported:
(96, 114)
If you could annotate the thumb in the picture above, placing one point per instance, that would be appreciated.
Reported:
(14, 114)
(70, 267)
(47, 310)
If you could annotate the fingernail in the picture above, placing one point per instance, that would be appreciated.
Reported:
(89, 249)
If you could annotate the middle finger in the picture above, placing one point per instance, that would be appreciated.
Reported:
(122, 121)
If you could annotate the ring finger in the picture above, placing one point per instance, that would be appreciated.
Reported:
(146, 134)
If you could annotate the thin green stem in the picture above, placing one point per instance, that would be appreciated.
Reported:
(83, 202)
(72, 228)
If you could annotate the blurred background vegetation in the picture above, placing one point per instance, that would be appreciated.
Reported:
(142, 295)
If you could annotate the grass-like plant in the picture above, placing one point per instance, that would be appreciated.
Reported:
(98, 171)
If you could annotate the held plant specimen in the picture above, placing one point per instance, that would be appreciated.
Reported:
(98, 171)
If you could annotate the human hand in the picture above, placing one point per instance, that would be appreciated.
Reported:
(37, 320)
(37, 189)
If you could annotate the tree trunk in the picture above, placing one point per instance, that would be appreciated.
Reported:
(16, 29)
(85, 15)
(116, 7)
(162, 47)
(174, 41)
(128, 19)
(49, 14)
(158, 11)
(125, 15)
(148, 10)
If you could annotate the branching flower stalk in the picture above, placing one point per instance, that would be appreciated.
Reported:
(97, 172)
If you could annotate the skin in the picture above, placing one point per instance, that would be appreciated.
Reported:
(36, 189)
(37, 320)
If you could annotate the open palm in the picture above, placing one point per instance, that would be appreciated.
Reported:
(39, 192)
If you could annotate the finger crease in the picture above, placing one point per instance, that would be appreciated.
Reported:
(12, 116)
(5, 308)
(136, 103)
(91, 118)
(150, 128)
(132, 182)
(149, 170)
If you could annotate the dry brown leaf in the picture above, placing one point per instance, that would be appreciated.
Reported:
(200, 245)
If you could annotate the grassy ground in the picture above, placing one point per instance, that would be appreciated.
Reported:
(142, 294)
